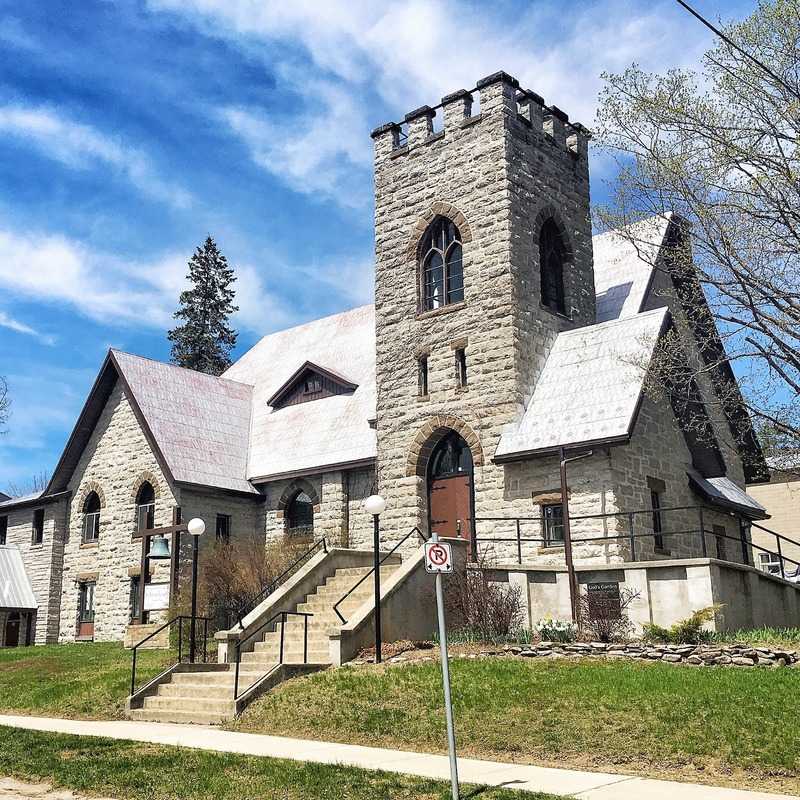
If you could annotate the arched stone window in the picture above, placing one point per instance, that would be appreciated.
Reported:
(451, 456)
(300, 515)
(91, 517)
(552, 255)
(441, 267)
(146, 507)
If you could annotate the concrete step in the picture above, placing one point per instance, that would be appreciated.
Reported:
(171, 715)
(318, 655)
(222, 707)
(224, 692)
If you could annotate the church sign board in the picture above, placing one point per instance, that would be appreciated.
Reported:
(603, 600)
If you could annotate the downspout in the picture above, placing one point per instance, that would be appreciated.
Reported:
(573, 578)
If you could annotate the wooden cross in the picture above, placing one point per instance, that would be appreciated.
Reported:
(175, 530)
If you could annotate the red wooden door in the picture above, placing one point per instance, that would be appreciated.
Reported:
(450, 506)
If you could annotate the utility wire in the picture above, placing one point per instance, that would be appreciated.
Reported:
(735, 46)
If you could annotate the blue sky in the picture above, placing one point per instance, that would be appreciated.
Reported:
(129, 130)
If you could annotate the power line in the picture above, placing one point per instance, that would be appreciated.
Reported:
(735, 46)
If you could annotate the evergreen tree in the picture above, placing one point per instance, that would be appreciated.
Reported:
(205, 339)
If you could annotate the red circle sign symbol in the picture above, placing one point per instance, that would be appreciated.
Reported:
(437, 555)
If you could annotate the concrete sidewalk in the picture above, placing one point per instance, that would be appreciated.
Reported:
(571, 783)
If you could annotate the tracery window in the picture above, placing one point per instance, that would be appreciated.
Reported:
(552, 255)
(441, 265)
(300, 515)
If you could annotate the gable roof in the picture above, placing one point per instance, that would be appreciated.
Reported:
(16, 591)
(623, 270)
(725, 493)
(309, 366)
(331, 431)
(590, 388)
(200, 423)
(197, 425)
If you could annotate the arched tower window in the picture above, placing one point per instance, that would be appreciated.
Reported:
(552, 255)
(441, 265)
(91, 517)
(146, 507)
(300, 515)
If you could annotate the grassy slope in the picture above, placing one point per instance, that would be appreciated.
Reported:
(691, 723)
(152, 772)
(78, 680)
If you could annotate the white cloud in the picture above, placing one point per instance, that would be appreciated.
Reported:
(15, 325)
(405, 54)
(80, 146)
(102, 287)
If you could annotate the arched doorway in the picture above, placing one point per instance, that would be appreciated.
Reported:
(12, 629)
(450, 487)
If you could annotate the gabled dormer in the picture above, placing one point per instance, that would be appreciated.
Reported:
(310, 382)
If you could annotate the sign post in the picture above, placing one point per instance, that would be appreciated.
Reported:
(439, 561)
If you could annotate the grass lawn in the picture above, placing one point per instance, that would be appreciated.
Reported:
(73, 680)
(718, 725)
(153, 772)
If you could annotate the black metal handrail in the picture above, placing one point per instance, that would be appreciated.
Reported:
(283, 615)
(631, 536)
(273, 585)
(347, 594)
(168, 624)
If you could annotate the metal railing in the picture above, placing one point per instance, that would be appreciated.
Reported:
(169, 624)
(290, 570)
(283, 616)
(414, 530)
(631, 537)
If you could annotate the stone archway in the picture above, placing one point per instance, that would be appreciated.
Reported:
(431, 433)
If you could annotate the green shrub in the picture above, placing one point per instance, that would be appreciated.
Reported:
(686, 631)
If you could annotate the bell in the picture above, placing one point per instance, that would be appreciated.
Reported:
(159, 548)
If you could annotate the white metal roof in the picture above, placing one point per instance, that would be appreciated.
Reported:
(27, 498)
(201, 423)
(623, 269)
(590, 387)
(15, 587)
(333, 430)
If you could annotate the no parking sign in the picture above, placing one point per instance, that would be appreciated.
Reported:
(438, 557)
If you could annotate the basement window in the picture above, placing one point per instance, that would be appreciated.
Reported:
(553, 525)
(223, 528)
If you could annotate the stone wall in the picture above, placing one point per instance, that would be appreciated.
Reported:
(668, 591)
(338, 506)
(116, 461)
(658, 451)
(43, 562)
(496, 176)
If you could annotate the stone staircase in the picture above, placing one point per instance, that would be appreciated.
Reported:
(204, 693)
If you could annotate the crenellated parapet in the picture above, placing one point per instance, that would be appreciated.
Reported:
(499, 93)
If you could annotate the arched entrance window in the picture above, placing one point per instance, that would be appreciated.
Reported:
(300, 515)
(146, 507)
(450, 487)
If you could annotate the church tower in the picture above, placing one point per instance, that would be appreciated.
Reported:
(483, 255)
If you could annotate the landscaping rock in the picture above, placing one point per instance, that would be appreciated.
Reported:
(672, 657)
(743, 661)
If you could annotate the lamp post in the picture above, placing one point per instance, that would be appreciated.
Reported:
(376, 505)
(196, 528)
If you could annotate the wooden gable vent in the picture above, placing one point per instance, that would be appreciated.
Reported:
(310, 382)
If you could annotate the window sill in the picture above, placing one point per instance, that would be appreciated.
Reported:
(423, 398)
(558, 314)
(660, 552)
(435, 312)
(89, 545)
(553, 549)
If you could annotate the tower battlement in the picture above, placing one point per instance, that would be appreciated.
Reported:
(499, 92)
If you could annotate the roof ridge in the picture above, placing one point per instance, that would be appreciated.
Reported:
(176, 366)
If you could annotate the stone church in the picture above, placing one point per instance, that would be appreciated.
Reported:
(503, 336)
